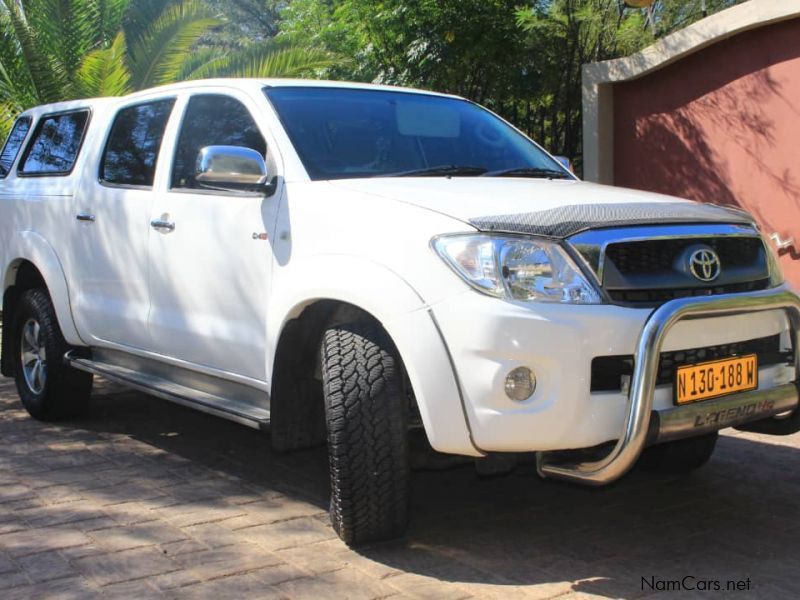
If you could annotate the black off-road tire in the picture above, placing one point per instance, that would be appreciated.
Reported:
(66, 390)
(366, 412)
(680, 456)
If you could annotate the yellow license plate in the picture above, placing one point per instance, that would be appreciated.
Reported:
(716, 378)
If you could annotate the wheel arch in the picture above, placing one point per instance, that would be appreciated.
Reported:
(35, 264)
(298, 323)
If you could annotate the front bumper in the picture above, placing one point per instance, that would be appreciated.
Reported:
(487, 338)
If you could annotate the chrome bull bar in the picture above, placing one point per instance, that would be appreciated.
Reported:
(637, 428)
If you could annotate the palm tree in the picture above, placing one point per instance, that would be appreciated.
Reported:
(52, 50)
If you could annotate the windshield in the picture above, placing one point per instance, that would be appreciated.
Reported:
(342, 133)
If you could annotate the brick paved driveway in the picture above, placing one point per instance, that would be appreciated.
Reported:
(145, 498)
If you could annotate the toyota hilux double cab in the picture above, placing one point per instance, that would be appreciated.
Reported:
(354, 263)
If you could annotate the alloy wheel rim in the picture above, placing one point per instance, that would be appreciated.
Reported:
(34, 356)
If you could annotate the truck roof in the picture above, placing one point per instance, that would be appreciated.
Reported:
(240, 83)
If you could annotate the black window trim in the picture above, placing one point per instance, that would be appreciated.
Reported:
(22, 145)
(138, 102)
(39, 122)
(210, 192)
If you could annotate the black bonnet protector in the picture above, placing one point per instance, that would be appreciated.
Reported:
(564, 221)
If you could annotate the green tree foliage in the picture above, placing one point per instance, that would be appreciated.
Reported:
(523, 59)
(52, 50)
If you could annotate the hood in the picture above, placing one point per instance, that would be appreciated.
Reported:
(557, 208)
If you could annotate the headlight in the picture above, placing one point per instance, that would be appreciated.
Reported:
(515, 268)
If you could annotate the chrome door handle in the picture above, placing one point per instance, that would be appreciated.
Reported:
(162, 225)
(85, 217)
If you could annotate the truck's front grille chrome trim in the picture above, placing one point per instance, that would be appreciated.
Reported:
(640, 399)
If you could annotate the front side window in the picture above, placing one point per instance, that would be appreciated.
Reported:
(13, 144)
(56, 141)
(133, 145)
(348, 133)
(212, 120)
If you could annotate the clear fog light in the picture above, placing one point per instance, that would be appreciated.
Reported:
(520, 384)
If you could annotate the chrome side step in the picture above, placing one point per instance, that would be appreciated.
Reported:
(155, 385)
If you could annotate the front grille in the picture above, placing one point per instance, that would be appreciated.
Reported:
(653, 256)
(607, 371)
(648, 297)
(652, 271)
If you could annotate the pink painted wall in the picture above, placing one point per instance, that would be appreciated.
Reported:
(722, 125)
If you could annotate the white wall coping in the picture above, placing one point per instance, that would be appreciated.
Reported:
(598, 77)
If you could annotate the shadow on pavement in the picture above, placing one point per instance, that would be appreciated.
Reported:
(733, 520)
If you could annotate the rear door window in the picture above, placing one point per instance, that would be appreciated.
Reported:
(14, 142)
(134, 143)
(56, 142)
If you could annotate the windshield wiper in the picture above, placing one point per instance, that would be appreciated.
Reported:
(534, 172)
(441, 170)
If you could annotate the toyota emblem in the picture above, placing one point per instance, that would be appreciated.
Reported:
(704, 264)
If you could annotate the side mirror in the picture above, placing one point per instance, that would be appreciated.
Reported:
(565, 162)
(231, 168)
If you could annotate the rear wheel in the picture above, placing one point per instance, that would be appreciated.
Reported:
(366, 412)
(48, 388)
(680, 456)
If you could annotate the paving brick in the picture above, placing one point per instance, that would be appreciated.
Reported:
(131, 513)
(141, 590)
(46, 566)
(127, 565)
(176, 579)
(10, 526)
(198, 513)
(60, 514)
(237, 586)
(272, 510)
(107, 503)
(62, 589)
(119, 494)
(287, 534)
(13, 579)
(11, 493)
(6, 563)
(58, 494)
(318, 558)
(227, 561)
(31, 541)
(347, 583)
(134, 536)
(280, 573)
(184, 546)
(213, 535)
(419, 586)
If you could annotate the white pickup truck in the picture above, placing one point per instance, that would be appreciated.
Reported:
(352, 263)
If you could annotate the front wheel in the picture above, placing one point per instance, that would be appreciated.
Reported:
(366, 413)
(48, 388)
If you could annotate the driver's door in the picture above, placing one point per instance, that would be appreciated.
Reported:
(210, 265)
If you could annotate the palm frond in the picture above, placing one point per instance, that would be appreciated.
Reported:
(65, 29)
(111, 14)
(47, 79)
(266, 59)
(157, 57)
(103, 71)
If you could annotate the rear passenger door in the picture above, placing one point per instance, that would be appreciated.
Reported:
(210, 266)
(110, 283)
